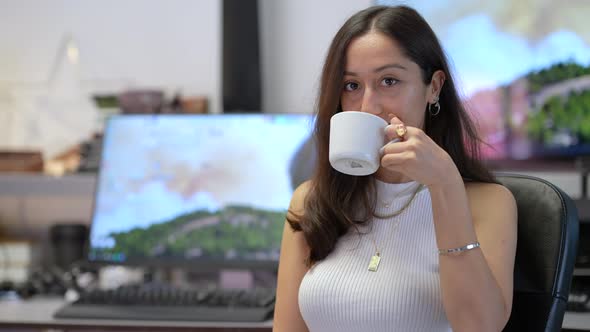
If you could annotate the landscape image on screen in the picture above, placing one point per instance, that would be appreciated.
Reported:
(523, 69)
(208, 187)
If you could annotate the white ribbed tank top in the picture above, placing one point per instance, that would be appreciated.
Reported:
(339, 294)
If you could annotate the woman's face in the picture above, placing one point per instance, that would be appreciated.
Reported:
(381, 80)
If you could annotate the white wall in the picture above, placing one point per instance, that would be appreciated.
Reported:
(174, 45)
(295, 36)
(152, 43)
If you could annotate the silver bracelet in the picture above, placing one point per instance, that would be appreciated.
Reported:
(458, 250)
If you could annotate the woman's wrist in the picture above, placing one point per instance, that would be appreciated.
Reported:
(450, 179)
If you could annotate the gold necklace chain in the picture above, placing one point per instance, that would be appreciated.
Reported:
(376, 259)
(387, 204)
(398, 212)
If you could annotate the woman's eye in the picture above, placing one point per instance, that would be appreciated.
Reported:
(351, 86)
(389, 81)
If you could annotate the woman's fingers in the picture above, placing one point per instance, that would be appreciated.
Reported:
(394, 146)
(393, 141)
(403, 159)
(396, 129)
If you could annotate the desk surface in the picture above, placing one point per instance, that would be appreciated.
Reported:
(576, 321)
(38, 312)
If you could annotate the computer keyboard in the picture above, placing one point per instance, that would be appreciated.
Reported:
(161, 302)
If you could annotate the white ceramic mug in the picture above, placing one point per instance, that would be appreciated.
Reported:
(355, 142)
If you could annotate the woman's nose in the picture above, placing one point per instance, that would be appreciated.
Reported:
(370, 102)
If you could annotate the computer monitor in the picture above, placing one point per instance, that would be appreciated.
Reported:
(523, 71)
(207, 191)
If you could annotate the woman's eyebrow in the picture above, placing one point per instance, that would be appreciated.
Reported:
(378, 69)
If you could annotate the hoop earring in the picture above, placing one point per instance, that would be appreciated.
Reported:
(436, 108)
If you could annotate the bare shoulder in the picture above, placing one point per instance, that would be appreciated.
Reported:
(488, 199)
(298, 198)
(487, 191)
(292, 267)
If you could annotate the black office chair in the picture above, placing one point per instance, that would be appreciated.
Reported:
(545, 255)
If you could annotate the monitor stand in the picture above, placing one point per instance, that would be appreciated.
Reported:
(222, 278)
(243, 279)
(181, 277)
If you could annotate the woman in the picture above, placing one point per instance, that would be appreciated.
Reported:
(427, 243)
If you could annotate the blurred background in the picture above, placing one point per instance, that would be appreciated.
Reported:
(523, 69)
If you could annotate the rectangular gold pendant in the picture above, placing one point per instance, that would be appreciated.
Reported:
(374, 263)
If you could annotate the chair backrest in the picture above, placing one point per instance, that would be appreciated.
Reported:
(548, 229)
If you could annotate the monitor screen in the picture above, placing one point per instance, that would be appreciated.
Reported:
(208, 190)
(523, 71)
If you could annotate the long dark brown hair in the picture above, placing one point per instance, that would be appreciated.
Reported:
(334, 199)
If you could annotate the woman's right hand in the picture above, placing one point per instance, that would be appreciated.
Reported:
(417, 156)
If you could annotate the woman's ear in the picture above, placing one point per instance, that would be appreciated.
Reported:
(436, 84)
